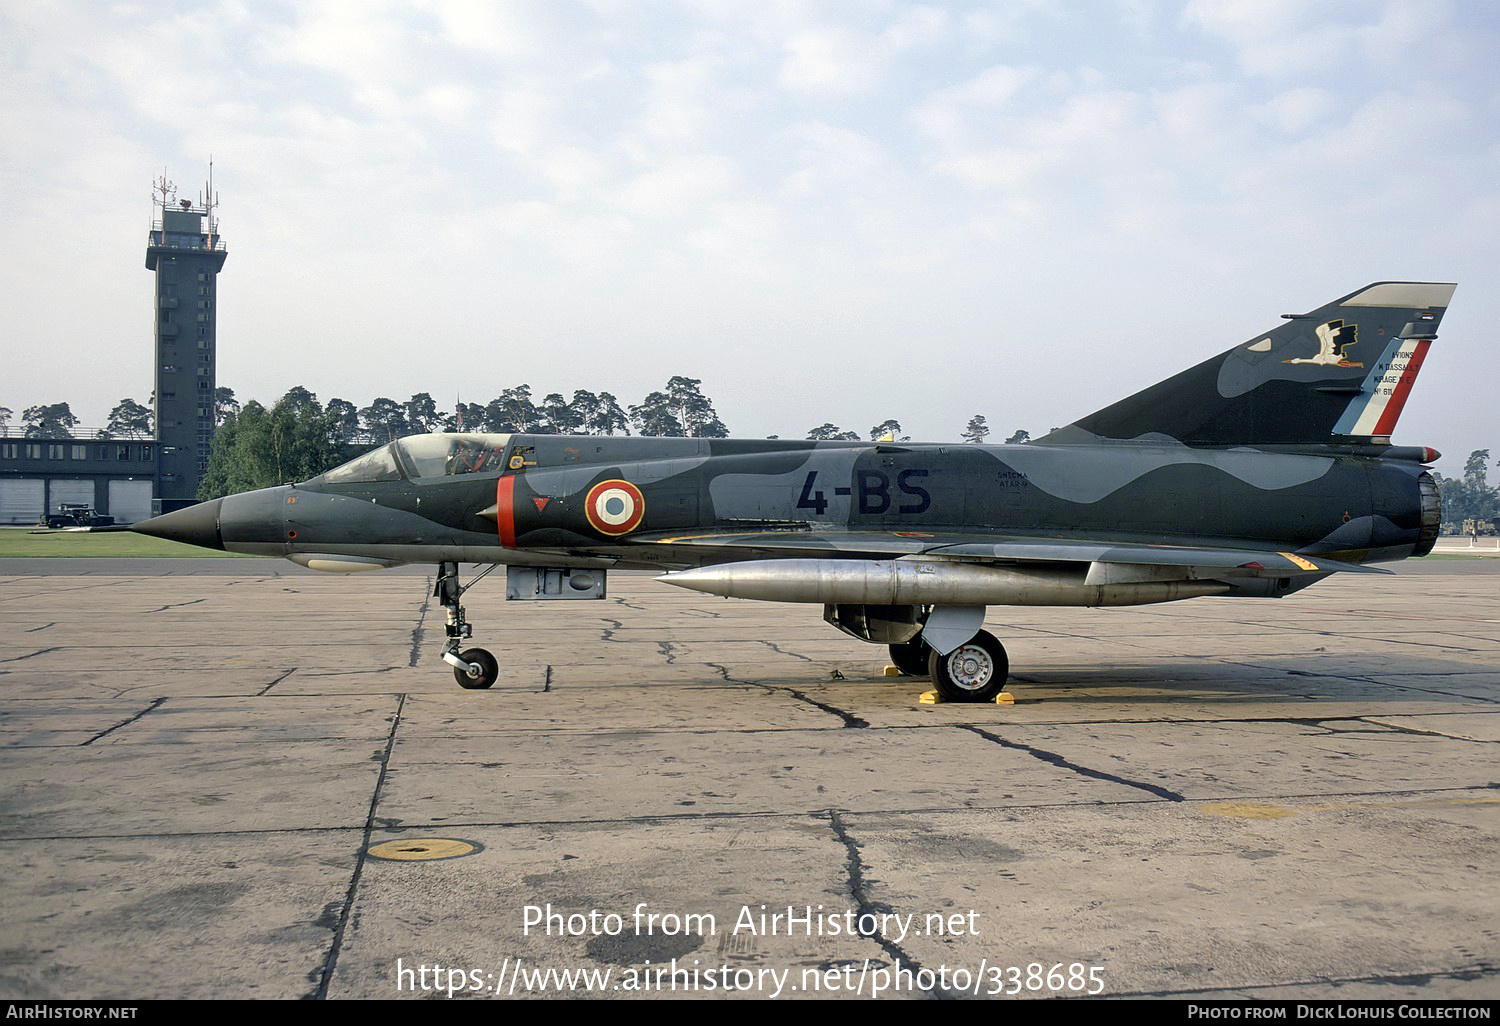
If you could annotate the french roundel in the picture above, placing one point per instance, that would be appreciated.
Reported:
(615, 507)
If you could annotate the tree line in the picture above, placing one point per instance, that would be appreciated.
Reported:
(977, 432)
(298, 437)
(56, 420)
(1471, 497)
(680, 410)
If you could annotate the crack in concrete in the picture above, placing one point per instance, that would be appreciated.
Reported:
(323, 975)
(855, 870)
(850, 720)
(676, 817)
(1404, 729)
(780, 651)
(346, 673)
(123, 723)
(30, 655)
(275, 682)
(420, 628)
(1064, 763)
(174, 605)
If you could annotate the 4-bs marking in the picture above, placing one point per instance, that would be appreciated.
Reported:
(874, 493)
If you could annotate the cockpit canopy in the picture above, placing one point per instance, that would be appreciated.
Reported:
(421, 456)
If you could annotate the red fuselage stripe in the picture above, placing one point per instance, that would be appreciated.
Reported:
(505, 510)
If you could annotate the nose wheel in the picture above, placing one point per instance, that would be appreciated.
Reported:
(474, 668)
(479, 671)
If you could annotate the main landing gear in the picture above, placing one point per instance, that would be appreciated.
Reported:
(973, 672)
(911, 657)
(473, 668)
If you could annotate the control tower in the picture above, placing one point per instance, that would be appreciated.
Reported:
(186, 252)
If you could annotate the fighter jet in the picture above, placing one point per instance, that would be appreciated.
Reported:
(1254, 474)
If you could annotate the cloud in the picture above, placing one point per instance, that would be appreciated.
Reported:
(839, 185)
(509, 31)
(1294, 111)
(832, 161)
(830, 59)
(679, 186)
(1287, 39)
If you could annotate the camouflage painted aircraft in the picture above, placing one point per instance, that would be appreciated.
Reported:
(1253, 474)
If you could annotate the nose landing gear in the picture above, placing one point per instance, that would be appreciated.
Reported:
(480, 670)
(473, 668)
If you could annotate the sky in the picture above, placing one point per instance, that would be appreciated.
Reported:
(827, 212)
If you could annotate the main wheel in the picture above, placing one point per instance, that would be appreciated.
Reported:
(489, 669)
(912, 657)
(973, 672)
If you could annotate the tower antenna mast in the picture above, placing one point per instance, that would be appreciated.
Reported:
(162, 193)
(210, 203)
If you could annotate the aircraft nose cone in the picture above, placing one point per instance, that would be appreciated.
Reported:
(195, 525)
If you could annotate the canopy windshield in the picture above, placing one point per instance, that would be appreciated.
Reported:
(425, 456)
(449, 454)
(375, 465)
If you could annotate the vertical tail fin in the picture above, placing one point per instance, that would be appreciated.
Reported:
(1340, 374)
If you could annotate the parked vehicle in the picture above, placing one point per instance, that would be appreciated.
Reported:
(75, 515)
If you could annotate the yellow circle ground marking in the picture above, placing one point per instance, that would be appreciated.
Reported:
(1248, 810)
(418, 849)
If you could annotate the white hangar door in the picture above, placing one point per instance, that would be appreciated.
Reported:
(21, 500)
(72, 493)
(130, 501)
